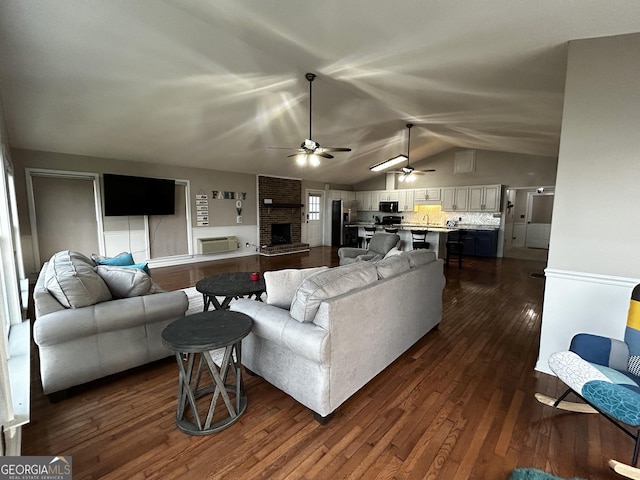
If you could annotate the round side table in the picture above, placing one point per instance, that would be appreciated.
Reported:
(192, 338)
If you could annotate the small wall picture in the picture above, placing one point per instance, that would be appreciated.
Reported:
(201, 196)
(202, 207)
(203, 223)
(202, 202)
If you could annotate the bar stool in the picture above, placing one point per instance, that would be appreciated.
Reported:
(368, 235)
(391, 230)
(456, 247)
(419, 239)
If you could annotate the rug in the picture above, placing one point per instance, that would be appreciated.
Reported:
(533, 474)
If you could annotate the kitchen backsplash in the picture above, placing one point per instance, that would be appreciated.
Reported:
(433, 215)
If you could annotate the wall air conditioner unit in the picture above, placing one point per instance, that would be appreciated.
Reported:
(217, 244)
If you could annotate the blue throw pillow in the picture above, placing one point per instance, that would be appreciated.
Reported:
(141, 266)
(122, 260)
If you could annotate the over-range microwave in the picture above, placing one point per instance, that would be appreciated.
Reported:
(388, 207)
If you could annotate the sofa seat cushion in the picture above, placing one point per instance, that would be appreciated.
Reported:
(125, 281)
(393, 265)
(70, 278)
(327, 284)
(282, 285)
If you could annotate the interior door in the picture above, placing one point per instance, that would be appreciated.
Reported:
(64, 211)
(539, 213)
(315, 201)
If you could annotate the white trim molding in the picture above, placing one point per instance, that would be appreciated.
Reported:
(579, 302)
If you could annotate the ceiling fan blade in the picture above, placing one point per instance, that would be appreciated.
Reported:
(323, 154)
(284, 148)
(335, 149)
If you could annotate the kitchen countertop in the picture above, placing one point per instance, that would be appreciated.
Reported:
(433, 228)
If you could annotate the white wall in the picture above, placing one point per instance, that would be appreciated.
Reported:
(593, 257)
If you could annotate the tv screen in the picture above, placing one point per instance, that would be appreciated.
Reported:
(127, 195)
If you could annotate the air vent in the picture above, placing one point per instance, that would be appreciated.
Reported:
(217, 244)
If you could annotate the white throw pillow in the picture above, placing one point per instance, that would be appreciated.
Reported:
(124, 282)
(392, 252)
(335, 281)
(388, 267)
(281, 285)
(420, 257)
(70, 278)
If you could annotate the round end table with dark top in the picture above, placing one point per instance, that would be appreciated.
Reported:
(192, 338)
(229, 285)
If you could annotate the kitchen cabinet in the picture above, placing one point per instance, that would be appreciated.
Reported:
(427, 196)
(405, 200)
(455, 199)
(367, 201)
(389, 196)
(479, 243)
(484, 198)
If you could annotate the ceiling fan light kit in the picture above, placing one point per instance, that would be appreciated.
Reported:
(310, 151)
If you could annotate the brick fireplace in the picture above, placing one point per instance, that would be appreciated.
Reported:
(284, 207)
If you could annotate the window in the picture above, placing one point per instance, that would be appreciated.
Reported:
(314, 206)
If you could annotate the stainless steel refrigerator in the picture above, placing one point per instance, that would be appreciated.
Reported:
(340, 234)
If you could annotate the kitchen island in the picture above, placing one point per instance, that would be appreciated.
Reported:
(436, 234)
(481, 239)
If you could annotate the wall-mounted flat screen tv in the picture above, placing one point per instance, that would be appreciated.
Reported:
(128, 195)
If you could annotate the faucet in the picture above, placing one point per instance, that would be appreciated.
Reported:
(427, 218)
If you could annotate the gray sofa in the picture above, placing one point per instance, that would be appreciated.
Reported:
(93, 321)
(344, 325)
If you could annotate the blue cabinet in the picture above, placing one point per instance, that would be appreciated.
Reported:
(479, 243)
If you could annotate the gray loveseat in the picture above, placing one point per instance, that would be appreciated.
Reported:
(343, 326)
(93, 321)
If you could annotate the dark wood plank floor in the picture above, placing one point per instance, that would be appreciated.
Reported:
(458, 405)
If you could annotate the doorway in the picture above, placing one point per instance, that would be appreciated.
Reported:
(539, 215)
(315, 201)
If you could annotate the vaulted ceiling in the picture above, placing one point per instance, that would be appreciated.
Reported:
(214, 84)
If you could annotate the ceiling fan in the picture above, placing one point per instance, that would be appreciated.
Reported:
(407, 172)
(310, 148)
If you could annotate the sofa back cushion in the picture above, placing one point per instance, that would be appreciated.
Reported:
(328, 284)
(282, 285)
(419, 257)
(393, 265)
(71, 279)
(381, 243)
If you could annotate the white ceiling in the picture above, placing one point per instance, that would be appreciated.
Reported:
(214, 83)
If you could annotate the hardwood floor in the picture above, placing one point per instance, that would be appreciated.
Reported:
(458, 405)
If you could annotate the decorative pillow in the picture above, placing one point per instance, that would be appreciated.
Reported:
(393, 265)
(282, 284)
(125, 281)
(122, 259)
(419, 257)
(392, 252)
(141, 266)
(71, 280)
(328, 284)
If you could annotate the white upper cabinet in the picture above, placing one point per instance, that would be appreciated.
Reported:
(427, 196)
(455, 199)
(405, 200)
(389, 196)
(484, 198)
